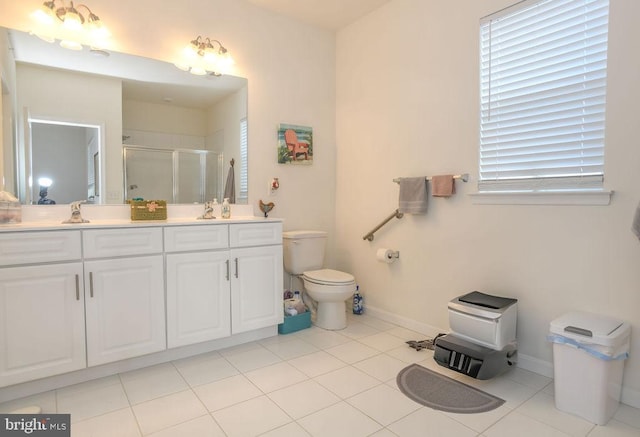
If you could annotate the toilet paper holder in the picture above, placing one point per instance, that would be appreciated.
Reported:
(387, 255)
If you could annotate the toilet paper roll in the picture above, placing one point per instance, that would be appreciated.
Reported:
(386, 255)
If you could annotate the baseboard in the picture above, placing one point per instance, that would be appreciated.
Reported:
(535, 365)
(629, 396)
(404, 322)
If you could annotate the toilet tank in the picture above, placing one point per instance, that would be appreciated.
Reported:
(303, 250)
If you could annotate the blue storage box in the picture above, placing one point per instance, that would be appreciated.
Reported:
(295, 323)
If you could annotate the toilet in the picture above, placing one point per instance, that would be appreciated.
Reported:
(327, 288)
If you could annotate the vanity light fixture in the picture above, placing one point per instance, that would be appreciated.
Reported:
(205, 56)
(73, 25)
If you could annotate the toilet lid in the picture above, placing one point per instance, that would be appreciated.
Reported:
(329, 277)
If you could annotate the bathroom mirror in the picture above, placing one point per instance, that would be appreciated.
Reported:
(133, 102)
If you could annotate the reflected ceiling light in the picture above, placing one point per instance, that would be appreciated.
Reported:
(73, 25)
(205, 56)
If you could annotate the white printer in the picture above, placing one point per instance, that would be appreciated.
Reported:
(482, 343)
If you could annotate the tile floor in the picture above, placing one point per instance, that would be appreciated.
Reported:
(309, 383)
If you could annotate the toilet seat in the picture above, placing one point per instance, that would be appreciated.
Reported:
(328, 277)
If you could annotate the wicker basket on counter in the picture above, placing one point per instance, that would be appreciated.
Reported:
(148, 209)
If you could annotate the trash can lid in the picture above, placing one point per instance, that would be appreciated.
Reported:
(591, 328)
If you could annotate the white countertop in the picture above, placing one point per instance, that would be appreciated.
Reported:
(50, 217)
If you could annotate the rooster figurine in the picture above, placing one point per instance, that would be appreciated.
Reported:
(266, 207)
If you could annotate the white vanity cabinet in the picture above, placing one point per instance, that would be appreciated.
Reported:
(256, 279)
(198, 285)
(124, 296)
(41, 306)
(77, 297)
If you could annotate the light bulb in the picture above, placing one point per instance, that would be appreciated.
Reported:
(72, 21)
(44, 15)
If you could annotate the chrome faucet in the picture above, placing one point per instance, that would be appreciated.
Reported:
(208, 211)
(76, 217)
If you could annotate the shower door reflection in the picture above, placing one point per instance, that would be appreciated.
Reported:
(177, 176)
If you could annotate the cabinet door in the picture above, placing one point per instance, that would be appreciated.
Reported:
(256, 288)
(41, 322)
(197, 297)
(124, 308)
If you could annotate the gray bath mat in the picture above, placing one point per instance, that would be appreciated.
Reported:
(443, 393)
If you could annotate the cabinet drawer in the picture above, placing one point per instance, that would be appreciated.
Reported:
(36, 247)
(255, 234)
(120, 242)
(191, 238)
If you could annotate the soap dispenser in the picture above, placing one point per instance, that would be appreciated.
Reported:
(226, 208)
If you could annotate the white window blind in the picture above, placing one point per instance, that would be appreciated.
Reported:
(543, 89)
(244, 182)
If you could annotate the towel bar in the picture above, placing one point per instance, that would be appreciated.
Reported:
(396, 214)
(463, 177)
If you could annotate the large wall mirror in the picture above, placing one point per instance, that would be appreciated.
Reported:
(108, 127)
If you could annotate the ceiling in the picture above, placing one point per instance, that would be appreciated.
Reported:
(327, 14)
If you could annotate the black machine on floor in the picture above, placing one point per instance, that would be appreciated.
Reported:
(482, 343)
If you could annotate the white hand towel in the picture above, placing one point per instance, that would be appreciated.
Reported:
(635, 227)
(413, 195)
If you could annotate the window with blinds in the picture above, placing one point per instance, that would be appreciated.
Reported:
(243, 193)
(543, 67)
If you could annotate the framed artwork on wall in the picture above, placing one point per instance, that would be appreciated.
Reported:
(295, 144)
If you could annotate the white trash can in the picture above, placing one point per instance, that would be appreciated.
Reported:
(588, 360)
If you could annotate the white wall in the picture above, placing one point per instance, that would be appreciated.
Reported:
(407, 105)
(60, 153)
(80, 98)
(291, 73)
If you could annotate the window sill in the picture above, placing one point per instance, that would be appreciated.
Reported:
(597, 198)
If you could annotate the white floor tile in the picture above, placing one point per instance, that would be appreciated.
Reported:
(226, 392)
(374, 322)
(355, 330)
(542, 408)
(121, 423)
(409, 355)
(167, 411)
(304, 398)
(482, 421)
(518, 424)
(152, 382)
(382, 367)
(95, 398)
(381, 341)
(322, 338)
(528, 378)
(347, 382)
(317, 363)
(206, 368)
(426, 421)
(253, 359)
(291, 349)
(203, 426)
(406, 334)
(276, 376)
(383, 433)
(615, 429)
(251, 418)
(339, 420)
(289, 430)
(628, 415)
(291, 386)
(352, 352)
(384, 404)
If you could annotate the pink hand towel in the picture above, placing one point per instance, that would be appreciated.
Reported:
(443, 186)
